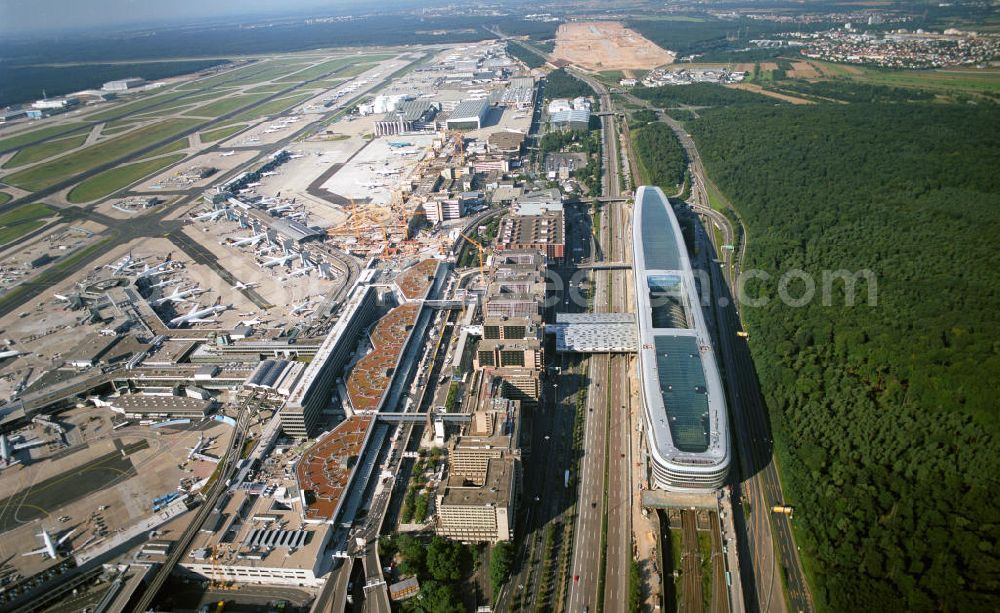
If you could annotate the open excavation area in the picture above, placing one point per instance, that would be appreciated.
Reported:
(607, 45)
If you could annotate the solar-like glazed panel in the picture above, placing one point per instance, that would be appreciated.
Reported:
(682, 386)
(659, 245)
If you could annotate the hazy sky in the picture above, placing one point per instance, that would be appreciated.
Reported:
(29, 16)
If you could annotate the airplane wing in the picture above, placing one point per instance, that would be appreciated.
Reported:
(35, 552)
(63, 538)
(194, 307)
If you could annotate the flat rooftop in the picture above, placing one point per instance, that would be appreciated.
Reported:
(326, 469)
(370, 378)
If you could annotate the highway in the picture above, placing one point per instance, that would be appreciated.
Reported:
(603, 549)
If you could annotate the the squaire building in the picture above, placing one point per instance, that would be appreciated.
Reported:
(684, 403)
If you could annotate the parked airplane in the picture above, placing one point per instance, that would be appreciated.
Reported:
(11, 354)
(198, 316)
(159, 269)
(241, 285)
(51, 548)
(249, 240)
(73, 301)
(301, 309)
(165, 283)
(123, 264)
(210, 215)
(228, 153)
(179, 296)
(278, 261)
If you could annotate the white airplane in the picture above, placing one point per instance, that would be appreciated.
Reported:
(11, 354)
(199, 446)
(278, 261)
(159, 269)
(280, 209)
(250, 240)
(301, 309)
(269, 174)
(228, 153)
(255, 184)
(179, 296)
(165, 283)
(51, 548)
(305, 270)
(253, 322)
(209, 216)
(241, 285)
(198, 316)
(72, 300)
(296, 156)
(126, 262)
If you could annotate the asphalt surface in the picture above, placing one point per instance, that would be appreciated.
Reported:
(603, 545)
(227, 467)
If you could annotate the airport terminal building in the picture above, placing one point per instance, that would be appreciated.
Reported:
(687, 427)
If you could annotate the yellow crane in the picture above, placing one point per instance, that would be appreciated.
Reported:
(482, 253)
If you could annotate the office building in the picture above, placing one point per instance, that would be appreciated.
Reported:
(477, 501)
(302, 411)
(687, 427)
(545, 233)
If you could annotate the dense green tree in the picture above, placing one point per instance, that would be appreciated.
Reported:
(885, 412)
(561, 84)
(661, 155)
(414, 554)
(445, 559)
(700, 94)
(434, 597)
(501, 563)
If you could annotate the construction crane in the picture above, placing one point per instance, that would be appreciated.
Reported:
(482, 252)
(459, 148)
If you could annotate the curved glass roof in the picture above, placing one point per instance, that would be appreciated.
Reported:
(659, 245)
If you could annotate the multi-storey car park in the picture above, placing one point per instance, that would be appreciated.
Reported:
(685, 407)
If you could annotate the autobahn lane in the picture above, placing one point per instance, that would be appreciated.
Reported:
(770, 539)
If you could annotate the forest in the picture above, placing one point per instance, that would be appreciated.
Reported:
(885, 412)
(699, 94)
(529, 57)
(561, 84)
(661, 156)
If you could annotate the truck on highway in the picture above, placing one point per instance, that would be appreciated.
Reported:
(566, 479)
(782, 509)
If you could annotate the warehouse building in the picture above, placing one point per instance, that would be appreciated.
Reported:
(151, 406)
(408, 116)
(469, 115)
(122, 85)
